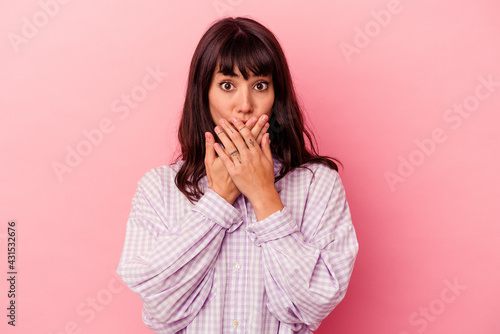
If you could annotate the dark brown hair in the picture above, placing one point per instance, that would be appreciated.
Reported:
(249, 45)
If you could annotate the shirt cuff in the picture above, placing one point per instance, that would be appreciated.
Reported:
(218, 210)
(276, 226)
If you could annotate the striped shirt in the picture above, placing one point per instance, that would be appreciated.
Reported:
(211, 267)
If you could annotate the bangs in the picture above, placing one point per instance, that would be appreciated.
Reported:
(246, 52)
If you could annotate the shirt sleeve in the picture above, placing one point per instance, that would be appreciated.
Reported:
(170, 264)
(307, 269)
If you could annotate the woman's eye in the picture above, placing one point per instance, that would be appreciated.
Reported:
(262, 85)
(226, 85)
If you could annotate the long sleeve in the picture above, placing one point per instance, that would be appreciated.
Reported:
(308, 260)
(168, 257)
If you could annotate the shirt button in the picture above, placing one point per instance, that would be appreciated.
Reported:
(235, 323)
(237, 266)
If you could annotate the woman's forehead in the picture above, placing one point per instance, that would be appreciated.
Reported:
(235, 71)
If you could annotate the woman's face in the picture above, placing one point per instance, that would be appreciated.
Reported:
(232, 96)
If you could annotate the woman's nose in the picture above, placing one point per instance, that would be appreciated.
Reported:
(245, 101)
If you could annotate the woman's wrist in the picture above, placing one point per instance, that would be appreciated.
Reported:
(266, 205)
(230, 198)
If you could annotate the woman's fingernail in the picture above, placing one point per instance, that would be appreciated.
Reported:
(235, 119)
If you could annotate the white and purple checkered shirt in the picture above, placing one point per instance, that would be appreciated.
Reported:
(211, 267)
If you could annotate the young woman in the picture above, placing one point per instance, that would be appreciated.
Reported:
(240, 235)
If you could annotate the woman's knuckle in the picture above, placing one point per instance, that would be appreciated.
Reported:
(245, 154)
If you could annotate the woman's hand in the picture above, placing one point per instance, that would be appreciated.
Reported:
(218, 177)
(249, 166)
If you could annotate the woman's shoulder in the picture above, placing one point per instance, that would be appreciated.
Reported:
(316, 168)
(161, 176)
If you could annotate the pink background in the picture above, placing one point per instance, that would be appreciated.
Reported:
(381, 82)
